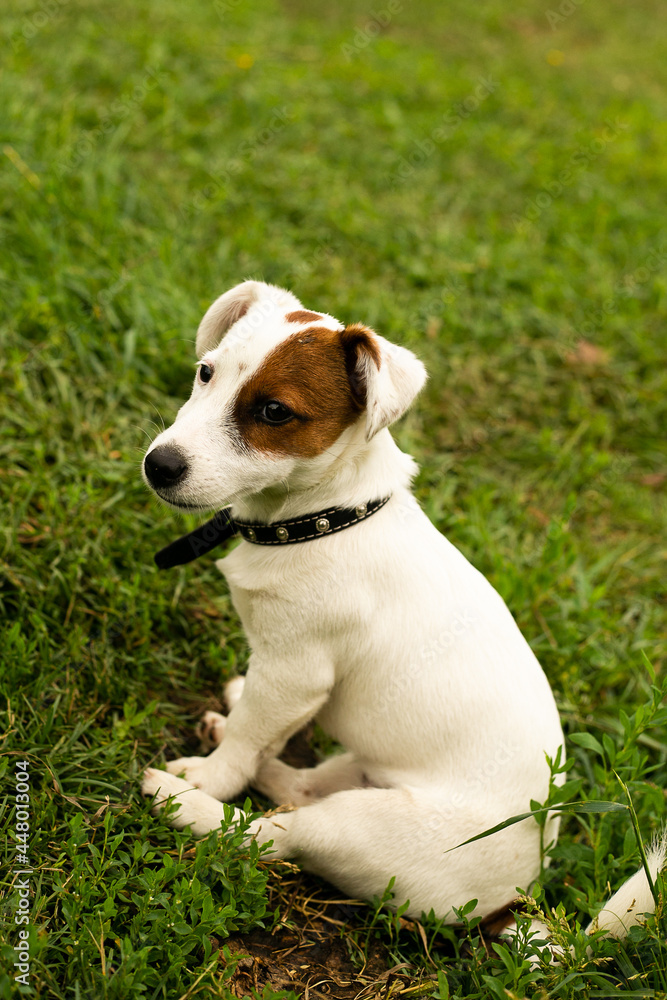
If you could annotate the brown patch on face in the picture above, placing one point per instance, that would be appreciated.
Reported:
(309, 373)
(302, 316)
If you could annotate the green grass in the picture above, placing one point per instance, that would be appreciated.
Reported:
(153, 155)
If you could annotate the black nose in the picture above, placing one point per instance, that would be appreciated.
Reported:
(165, 466)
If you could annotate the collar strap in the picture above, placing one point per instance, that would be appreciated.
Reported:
(223, 526)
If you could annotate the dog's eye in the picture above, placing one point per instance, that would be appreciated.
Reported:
(205, 373)
(274, 412)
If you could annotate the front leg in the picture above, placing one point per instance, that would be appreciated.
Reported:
(279, 697)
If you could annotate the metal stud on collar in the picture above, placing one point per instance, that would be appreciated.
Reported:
(223, 527)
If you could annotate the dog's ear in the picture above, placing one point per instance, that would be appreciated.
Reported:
(384, 378)
(233, 305)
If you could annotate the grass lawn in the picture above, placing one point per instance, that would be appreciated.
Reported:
(483, 183)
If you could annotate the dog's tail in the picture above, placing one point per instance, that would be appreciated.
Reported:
(624, 910)
(634, 898)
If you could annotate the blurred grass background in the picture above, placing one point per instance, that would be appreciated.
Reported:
(482, 183)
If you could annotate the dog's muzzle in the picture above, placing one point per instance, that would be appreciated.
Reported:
(165, 466)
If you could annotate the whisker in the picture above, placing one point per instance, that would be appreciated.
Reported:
(140, 427)
(160, 417)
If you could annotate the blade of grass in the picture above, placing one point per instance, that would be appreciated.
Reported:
(570, 807)
(640, 842)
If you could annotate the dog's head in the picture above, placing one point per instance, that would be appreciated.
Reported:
(278, 391)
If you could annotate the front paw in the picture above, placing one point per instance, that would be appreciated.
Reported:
(161, 785)
(201, 772)
(195, 809)
(195, 770)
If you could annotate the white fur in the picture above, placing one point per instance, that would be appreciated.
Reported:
(392, 387)
(634, 898)
(383, 632)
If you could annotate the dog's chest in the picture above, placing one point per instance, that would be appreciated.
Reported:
(256, 609)
(276, 602)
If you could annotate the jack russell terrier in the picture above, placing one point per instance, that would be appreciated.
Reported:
(359, 614)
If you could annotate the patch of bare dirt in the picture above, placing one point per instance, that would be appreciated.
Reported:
(312, 951)
(315, 964)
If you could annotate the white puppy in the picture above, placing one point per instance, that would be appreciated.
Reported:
(379, 629)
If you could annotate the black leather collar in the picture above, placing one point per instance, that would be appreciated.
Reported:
(302, 529)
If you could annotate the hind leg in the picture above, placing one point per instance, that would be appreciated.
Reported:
(287, 785)
(360, 839)
(347, 838)
(210, 729)
(233, 691)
